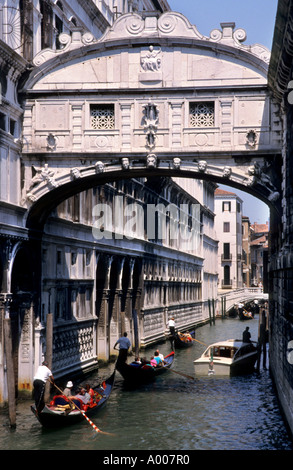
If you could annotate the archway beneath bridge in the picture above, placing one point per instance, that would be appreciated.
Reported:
(39, 211)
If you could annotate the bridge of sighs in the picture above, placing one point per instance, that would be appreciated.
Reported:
(151, 95)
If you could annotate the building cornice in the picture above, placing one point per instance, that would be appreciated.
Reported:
(9, 58)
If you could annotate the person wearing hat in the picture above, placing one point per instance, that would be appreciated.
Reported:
(68, 389)
(42, 375)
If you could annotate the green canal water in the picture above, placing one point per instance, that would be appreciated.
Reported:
(172, 414)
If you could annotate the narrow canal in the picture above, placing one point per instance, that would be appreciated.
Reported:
(172, 414)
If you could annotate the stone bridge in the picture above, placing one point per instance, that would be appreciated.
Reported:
(152, 96)
(246, 294)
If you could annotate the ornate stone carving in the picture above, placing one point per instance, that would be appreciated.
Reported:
(151, 161)
(251, 138)
(75, 173)
(151, 61)
(99, 167)
(151, 119)
(202, 166)
(43, 174)
(258, 176)
(176, 162)
(51, 142)
(125, 163)
(227, 172)
(202, 114)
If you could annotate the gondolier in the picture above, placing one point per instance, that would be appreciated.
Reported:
(124, 345)
(171, 324)
(42, 375)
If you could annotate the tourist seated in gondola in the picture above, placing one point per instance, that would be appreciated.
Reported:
(68, 389)
(145, 363)
(153, 362)
(186, 337)
(161, 356)
(89, 390)
(136, 362)
(156, 361)
(83, 396)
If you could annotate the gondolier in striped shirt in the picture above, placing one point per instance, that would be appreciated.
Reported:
(124, 345)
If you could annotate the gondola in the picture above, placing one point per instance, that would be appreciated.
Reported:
(182, 340)
(60, 411)
(245, 315)
(136, 375)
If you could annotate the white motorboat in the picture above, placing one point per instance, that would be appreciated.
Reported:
(230, 357)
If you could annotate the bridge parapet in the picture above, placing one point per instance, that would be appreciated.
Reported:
(246, 294)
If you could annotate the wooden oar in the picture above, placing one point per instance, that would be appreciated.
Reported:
(193, 339)
(83, 413)
(181, 373)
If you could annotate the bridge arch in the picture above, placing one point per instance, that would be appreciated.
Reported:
(48, 200)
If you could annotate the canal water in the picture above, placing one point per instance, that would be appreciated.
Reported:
(174, 413)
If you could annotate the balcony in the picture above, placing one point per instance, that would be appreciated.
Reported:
(226, 257)
(226, 283)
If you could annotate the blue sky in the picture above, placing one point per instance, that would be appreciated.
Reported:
(257, 17)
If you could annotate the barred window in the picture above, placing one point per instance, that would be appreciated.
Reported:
(202, 114)
(102, 116)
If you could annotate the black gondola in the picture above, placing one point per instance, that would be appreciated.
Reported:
(244, 315)
(183, 340)
(60, 411)
(141, 374)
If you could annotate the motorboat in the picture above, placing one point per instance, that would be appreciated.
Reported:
(229, 357)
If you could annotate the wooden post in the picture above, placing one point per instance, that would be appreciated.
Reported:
(10, 372)
(49, 351)
(214, 317)
(210, 313)
(135, 330)
(262, 327)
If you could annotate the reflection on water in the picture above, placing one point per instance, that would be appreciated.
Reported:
(208, 413)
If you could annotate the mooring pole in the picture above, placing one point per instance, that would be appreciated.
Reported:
(49, 351)
(210, 313)
(10, 372)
